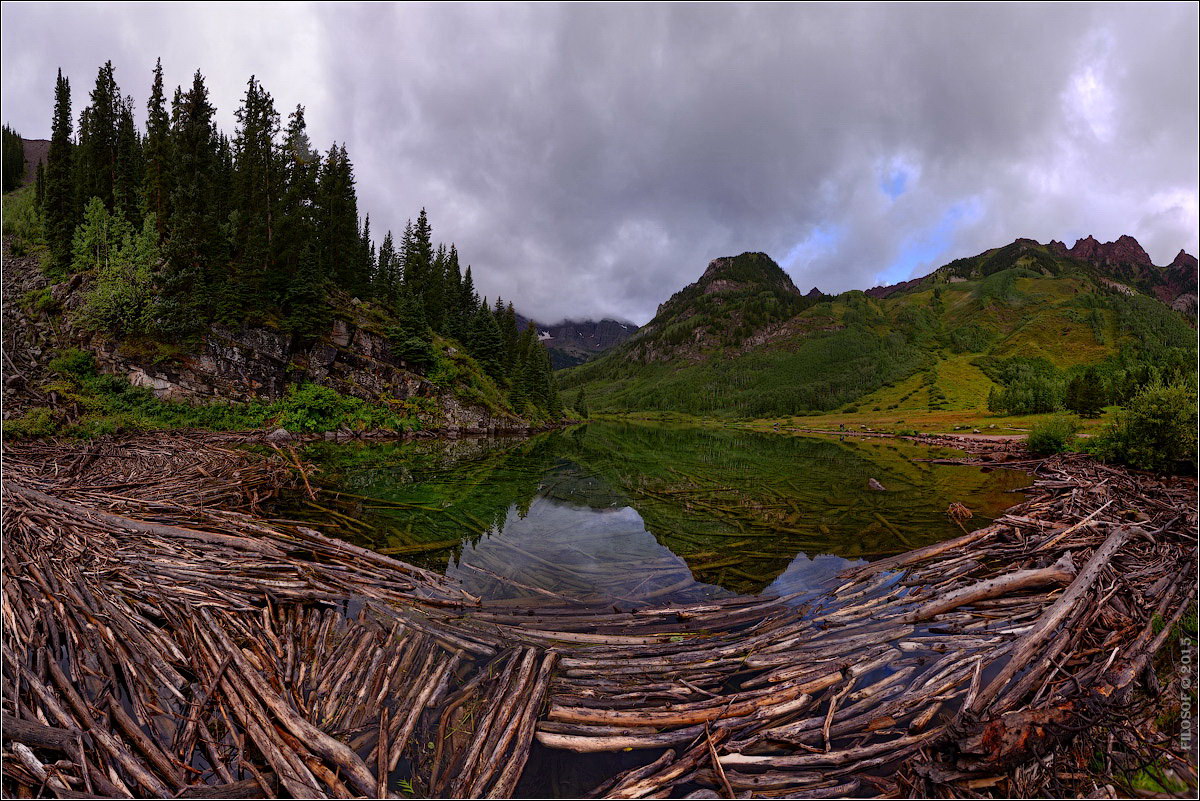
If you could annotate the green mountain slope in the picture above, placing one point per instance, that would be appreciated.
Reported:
(742, 341)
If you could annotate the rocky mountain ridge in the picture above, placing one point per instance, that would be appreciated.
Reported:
(1124, 261)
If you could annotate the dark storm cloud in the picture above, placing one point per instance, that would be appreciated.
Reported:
(591, 159)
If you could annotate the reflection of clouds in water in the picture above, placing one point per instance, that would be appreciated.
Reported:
(577, 551)
(809, 574)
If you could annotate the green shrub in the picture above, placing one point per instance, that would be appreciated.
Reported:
(37, 301)
(37, 422)
(1055, 435)
(23, 222)
(74, 363)
(1155, 431)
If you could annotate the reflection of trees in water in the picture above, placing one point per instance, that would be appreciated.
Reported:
(737, 506)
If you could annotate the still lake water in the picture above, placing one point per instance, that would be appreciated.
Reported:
(630, 514)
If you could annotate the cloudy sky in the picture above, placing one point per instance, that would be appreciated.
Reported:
(590, 160)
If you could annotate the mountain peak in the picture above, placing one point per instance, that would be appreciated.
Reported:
(1184, 261)
(1125, 250)
(735, 272)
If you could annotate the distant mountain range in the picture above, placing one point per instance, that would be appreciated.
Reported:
(744, 340)
(1122, 262)
(573, 342)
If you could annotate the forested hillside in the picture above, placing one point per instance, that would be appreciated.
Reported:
(167, 234)
(1022, 329)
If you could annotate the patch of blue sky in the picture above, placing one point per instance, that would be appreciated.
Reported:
(820, 242)
(928, 249)
(894, 184)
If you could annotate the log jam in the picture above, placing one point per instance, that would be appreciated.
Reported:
(163, 637)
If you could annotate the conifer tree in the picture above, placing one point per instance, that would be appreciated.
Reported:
(1085, 395)
(14, 159)
(128, 168)
(298, 281)
(510, 336)
(581, 407)
(59, 203)
(409, 337)
(193, 249)
(156, 181)
(366, 260)
(385, 284)
(337, 215)
(484, 343)
(256, 197)
(97, 168)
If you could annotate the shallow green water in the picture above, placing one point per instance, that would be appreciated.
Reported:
(634, 514)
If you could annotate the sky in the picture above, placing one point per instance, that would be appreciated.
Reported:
(589, 160)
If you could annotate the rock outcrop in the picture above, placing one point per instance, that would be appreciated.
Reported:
(231, 364)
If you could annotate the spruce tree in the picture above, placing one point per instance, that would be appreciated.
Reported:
(1085, 395)
(581, 407)
(256, 198)
(484, 343)
(156, 182)
(190, 278)
(366, 260)
(510, 335)
(14, 159)
(386, 283)
(337, 215)
(129, 169)
(59, 204)
(97, 168)
(298, 280)
(409, 337)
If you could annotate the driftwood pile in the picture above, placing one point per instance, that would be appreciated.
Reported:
(164, 637)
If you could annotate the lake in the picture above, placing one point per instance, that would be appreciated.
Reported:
(631, 515)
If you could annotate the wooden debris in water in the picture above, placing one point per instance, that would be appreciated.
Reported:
(163, 638)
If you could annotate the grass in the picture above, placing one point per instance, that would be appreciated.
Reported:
(96, 405)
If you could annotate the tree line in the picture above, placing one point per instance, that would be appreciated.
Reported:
(183, 226)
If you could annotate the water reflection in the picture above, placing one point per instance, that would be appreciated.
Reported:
(632, 514)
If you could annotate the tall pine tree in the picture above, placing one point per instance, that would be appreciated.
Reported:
(255, 201)
(194, 248)
(59, 206)
(96, 171)
(156, 180)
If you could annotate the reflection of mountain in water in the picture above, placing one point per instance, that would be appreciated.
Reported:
(582, 552)
(618, 509)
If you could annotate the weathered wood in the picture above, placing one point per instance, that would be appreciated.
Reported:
(1061, 572)
(158, 628)
(37, 735)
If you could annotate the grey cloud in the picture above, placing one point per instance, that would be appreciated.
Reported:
(591, 159)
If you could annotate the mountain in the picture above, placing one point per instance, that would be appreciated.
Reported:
(36, 151)
(573, 342)
(742, 340)
(1123, 262)
(736, 297)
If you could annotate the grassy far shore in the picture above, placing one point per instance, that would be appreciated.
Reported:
(1155, 430)
(948, 421)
